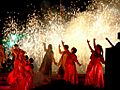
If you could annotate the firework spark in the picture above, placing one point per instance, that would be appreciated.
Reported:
(94, 23)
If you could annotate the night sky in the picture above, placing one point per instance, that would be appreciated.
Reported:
(21, 8)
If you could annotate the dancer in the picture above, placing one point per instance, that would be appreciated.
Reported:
(19, 61)
(24, 78)
(62, 62)
(15, 50)
(46, 66)
(94, 74)
(71, 74)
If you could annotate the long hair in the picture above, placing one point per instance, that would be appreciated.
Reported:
(101, 49)
(50, 46)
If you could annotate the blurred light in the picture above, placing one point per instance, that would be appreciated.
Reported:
(94, 23)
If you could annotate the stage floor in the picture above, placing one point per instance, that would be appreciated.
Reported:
(55, 84)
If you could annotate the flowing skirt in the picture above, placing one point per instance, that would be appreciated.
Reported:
(71, 74)
(95, 76)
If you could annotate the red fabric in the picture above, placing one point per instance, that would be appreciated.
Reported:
(29, 81)
(71, 74)
(12, 78)
(20, 77)
(94, 74)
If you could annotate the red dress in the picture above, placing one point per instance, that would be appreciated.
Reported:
(24, 79)
(20, 77)
(94, 74)
(71, 74)
(12, 76)
(29, 78)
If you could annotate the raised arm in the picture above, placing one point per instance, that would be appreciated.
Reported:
(94, 43)
(90, 46)
(67, 51)
(13, 51)
(109, 42)
(44, 44)
(59, 63)
(60, 49)
(62, 43)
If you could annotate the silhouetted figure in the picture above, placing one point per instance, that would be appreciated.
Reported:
(46, 66)
(71, 74)
(62, 62)
(94, 73)
(112, 66)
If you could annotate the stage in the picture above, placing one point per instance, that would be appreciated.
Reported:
(53, 85)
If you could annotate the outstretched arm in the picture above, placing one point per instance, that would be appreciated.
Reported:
(78, 63)
(44, 44)
(109, 42)
(94, 43)
(53, 59)
(90, 46)
(62, 43)
(75, 59)
(102, 60)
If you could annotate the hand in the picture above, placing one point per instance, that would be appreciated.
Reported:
(94, 39)
(55, 63)
(88, 41)
(62, 42)
(44, 44)
(106, 38)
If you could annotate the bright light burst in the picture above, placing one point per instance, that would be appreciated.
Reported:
(96, 23)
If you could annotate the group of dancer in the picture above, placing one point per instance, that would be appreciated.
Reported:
(67, 65)
(24, 78)
(21, 77)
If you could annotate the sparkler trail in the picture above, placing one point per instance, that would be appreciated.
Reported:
(99, 23)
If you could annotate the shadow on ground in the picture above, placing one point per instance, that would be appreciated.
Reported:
(62, 85)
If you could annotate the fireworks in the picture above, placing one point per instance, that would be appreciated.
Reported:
(93, 23)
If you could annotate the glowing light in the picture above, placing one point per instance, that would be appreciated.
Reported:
(94, 23)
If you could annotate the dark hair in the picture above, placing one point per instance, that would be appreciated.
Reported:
(31, 60)
(26, 57)
(101, 49)
(118, 35)
(66, 46)
(74, 50)
(16, 45)
(50, 45)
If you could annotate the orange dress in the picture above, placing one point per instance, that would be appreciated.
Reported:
(94, 74)
(71, 74)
